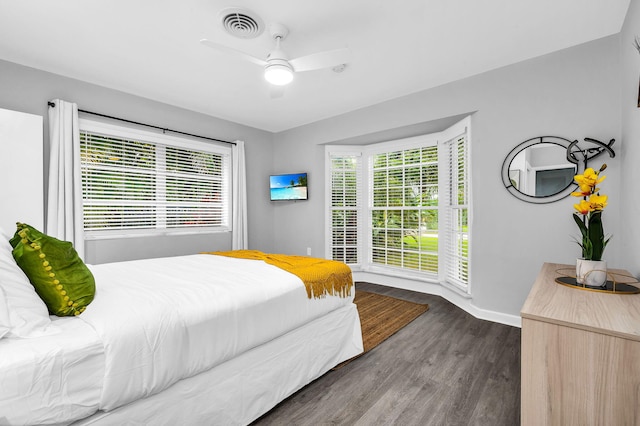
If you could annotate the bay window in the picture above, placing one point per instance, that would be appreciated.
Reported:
(402, 207)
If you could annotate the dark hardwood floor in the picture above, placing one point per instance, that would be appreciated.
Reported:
(444, 368)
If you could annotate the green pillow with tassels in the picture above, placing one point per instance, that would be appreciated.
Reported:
(60, 278)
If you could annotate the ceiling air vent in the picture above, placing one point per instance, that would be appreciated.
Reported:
(241, 23)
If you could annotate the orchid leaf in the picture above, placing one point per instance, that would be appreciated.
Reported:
(596, 235)
(581, 225)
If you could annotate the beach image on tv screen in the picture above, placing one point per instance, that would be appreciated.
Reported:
(288, 187)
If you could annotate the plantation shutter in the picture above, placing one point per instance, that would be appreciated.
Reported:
(345, 204)
(456, 211)
(132, 184)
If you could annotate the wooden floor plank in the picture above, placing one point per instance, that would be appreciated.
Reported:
(444, 368)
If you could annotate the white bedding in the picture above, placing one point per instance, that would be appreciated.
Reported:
(53, 378)
(184, 315)
(153, 323)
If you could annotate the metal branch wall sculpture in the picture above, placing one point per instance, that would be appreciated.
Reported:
(576, 155)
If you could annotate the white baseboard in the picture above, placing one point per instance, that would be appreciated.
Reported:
(462, 301)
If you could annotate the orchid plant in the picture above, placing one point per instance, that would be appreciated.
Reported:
(588, 213)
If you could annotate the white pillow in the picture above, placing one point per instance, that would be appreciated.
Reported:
(28, 315)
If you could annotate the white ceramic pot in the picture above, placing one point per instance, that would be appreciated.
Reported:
(591, 272)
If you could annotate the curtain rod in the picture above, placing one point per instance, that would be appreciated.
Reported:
(164, 130)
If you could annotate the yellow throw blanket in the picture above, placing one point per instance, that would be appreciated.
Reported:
(320, 276)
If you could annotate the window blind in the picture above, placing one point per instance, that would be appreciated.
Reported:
(404, 212)
(456, 212)
(131, 184)
(345, 207)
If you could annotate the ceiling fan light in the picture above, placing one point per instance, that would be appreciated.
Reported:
(278, 74)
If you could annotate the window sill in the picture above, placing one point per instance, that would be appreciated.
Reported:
(457, 290)
(409, 275)
(147, 234)
(404, 275)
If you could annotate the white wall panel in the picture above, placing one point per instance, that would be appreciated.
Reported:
(21, 171)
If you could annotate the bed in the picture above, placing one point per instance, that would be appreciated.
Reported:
(199, 339)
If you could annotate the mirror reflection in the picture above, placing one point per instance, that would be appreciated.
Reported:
(541, 170)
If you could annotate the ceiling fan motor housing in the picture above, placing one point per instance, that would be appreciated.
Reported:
(278, 71)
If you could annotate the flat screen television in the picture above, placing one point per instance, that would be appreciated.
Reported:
(288, 187)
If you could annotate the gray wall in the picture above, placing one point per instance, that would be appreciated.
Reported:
(28, 90)
(572, 93)
(629, 230)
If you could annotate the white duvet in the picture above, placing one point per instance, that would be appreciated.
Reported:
(51, 379)
(152, 323)
(162, 320)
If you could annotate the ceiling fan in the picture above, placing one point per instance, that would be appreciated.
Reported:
(278, 68)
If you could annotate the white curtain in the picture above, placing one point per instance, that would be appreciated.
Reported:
(239, 240)
(64, 203)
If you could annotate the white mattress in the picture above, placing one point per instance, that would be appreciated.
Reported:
(50, 379)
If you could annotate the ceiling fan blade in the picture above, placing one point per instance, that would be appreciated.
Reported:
(315, 61)
(238, 53)
(276, 92)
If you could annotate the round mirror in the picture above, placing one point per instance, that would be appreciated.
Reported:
(538, 171)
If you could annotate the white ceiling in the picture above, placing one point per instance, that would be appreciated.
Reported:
(151, 47)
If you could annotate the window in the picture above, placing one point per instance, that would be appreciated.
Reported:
(455, 207)
(404, 208)
(344, 207)
(413, 220)
(136, 182)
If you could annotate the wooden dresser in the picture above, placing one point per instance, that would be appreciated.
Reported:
(580, 355)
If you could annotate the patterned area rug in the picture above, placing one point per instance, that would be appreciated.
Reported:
(382, 316)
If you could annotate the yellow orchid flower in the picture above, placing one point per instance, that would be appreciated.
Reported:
(598, 202)
(585, 191)
(584, 207)
(590, 178)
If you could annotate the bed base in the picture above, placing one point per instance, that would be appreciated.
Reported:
(244, 388)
